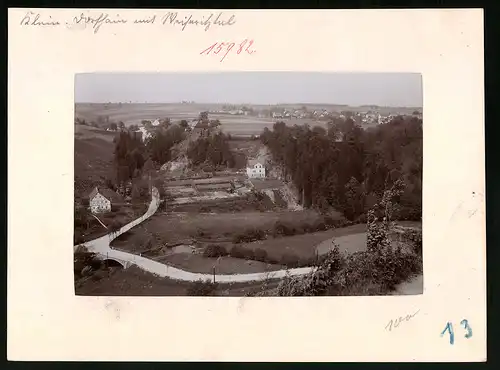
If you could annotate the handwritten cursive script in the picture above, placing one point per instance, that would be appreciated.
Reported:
(95, 20)
(35, 19)
(174, 19)
(399, 320)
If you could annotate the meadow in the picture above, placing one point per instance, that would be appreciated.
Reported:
(133, 114)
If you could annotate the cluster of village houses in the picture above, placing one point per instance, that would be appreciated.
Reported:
(368, 117)
(101, 199)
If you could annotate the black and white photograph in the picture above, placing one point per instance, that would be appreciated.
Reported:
(248, 184)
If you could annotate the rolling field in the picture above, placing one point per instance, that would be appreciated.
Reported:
(135, 113)
(93, 158)
(223, 265)
(174, 227)
(305, 245)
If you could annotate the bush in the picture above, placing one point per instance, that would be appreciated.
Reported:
(208, 168)
(284, 228)
(361, 219)
(319, 225)
(248, 254)
(214, 250)
(202, 288)
(260, 255)
(99, 275)
(249, 235)
(289, 260)
(237, 252)
(415, 238)
(201, 233)
(243, 253)
(78, 239)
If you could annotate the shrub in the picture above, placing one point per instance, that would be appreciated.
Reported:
(214, 250)
(78, 239)
(201, 233)
(208, 168)
(260, 255)
(361, 219)
(289, 260)
(415, 238)
(240, 252)
(248, 254)
(114, 226)
(202, 288)
(284, 228)
(249, 235)
(81, 249)
(317, 281)
(99, 275)
(237, 252)
(319, 225)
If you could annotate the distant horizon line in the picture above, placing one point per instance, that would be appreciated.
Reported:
(265, 104)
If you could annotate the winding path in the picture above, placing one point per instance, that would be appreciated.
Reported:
(101, 246)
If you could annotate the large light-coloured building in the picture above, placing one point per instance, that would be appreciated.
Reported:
(255, 169)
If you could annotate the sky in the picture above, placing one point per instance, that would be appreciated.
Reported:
(383, 89)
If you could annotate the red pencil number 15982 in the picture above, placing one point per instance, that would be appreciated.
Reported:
(227, 47)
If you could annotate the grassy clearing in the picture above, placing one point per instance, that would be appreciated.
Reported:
(304, 245)
(223, 265)
(173, 227)
(93, 164)
(119, 216)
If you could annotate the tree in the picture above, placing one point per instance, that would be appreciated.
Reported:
(129, 155)
(184, 124)
(203, 118)
(121, 125)
(341, 167)
(214, 123)
(113, 126)
(162, 141)
(136, 193)
(213, 150)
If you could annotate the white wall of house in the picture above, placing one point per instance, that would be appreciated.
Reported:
(100, 204)
(257, 171)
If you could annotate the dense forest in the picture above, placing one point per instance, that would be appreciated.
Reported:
(348, 168)
(213, 150)
(131, 153)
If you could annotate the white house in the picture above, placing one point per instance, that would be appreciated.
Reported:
(156, 122)
(255, 169)
(100, 200)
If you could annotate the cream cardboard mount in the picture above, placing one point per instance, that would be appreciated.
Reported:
(46, 321)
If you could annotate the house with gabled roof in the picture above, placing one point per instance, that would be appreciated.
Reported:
(255, 169)
(101, 199)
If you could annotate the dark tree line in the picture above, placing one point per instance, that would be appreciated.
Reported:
(348, 168)
(213, 150)
(161, 142)
(130, 155)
